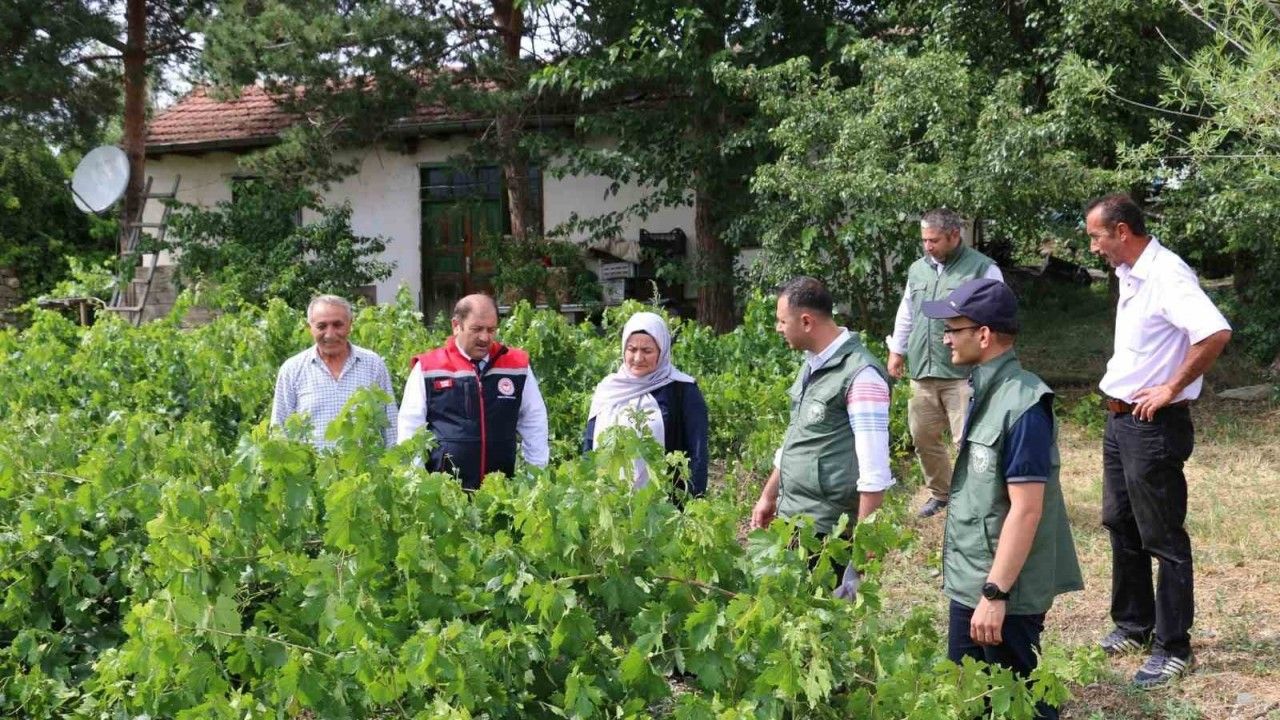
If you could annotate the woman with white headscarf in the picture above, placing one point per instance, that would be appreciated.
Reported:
(649, 386)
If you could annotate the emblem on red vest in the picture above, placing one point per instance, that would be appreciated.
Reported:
(444, 384)
(506, 386)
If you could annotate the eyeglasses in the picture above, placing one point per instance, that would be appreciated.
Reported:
(954, 330)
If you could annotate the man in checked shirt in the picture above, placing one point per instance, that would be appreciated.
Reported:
(319, 380)
(834, 457)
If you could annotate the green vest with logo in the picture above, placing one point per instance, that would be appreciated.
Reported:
(927, 357)
(819, 465)
(1002, 393)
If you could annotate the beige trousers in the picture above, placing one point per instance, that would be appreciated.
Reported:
(936, 409)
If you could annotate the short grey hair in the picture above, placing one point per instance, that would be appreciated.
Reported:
(944, 219)
(330, 300)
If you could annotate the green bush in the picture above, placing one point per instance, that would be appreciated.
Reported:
(164, 553)
(256, 247)
(39, 222)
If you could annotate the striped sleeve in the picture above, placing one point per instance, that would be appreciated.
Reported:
(867, 403)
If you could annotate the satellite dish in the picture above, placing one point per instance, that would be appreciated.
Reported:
(100, 178)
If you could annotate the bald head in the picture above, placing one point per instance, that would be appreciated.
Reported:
(471, 303)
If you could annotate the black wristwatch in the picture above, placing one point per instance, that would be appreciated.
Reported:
(992, 591)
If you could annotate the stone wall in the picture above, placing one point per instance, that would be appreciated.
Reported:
(160, 298)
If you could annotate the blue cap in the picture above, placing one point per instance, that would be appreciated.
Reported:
(983, 300)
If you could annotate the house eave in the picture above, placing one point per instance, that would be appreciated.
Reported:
(407, 130)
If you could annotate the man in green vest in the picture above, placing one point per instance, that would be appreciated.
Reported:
(834, 457)
(1007, 549)
(939, 389)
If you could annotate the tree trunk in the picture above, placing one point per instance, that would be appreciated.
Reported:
(1244, 272)
(508, 18)
(135, 112)
(515, 171)
(715, 268)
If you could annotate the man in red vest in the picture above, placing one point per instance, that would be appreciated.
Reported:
(476, 396)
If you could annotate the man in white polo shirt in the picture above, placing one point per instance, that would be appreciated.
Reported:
(1168, 334)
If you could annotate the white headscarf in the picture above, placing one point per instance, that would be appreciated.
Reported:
(619, 387)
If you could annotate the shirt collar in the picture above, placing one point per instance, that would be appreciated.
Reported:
(941, 265)
(464, 352)
(1142, 267)
(817, 360)
(982, 374)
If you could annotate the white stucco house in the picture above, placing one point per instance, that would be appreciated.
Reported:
(398, 192)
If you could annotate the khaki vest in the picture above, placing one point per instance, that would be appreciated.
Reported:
(819, 465)
(1003, 391)
(927, 357)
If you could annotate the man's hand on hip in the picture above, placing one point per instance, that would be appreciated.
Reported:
(1148, 401)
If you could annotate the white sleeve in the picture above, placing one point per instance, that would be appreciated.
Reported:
(993, 273)
(867, 404)
(897, 342)
(285, 401)
(413, 406)
(531, 424)
(1188, 308)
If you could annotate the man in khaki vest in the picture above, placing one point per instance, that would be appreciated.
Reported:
(1008, 550)
(834, 457)
(939, 389)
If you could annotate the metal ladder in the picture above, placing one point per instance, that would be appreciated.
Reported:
(132, 237)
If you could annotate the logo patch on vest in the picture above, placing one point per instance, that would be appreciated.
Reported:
(444, 384)
(815, 413)
(506, 387)
(981, 458)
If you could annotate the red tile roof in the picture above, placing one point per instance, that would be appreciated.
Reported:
(198, 120)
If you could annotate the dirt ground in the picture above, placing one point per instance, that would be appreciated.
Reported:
(1233, 477)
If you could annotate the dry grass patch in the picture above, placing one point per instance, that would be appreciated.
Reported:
(1233, 477)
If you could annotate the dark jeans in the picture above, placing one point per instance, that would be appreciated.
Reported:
(1020, 641)
(1144, 505)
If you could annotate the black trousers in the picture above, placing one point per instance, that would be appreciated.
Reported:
(1144, 506)
(1020, 641)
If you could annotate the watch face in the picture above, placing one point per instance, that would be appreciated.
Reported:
(991, 591)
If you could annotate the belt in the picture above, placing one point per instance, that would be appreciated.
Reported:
(1120, 406)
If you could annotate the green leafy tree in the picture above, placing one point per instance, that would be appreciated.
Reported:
(971, 106)
(918, 129)
(646, 77)
(365, 73)
(70, 66)
(39, 224)
(255, 247)
(1214, 160)
(54, 72)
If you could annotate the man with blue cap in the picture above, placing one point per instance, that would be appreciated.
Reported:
(1008, 550)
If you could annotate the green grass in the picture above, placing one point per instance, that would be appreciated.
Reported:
(1067, 336)
(1066, 333)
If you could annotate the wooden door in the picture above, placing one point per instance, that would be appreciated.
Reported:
(459, 212)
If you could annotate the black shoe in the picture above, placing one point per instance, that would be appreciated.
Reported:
(1160, 669)
(1118, 642)
(932, 507)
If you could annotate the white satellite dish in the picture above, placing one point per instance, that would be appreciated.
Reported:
(100, 178)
